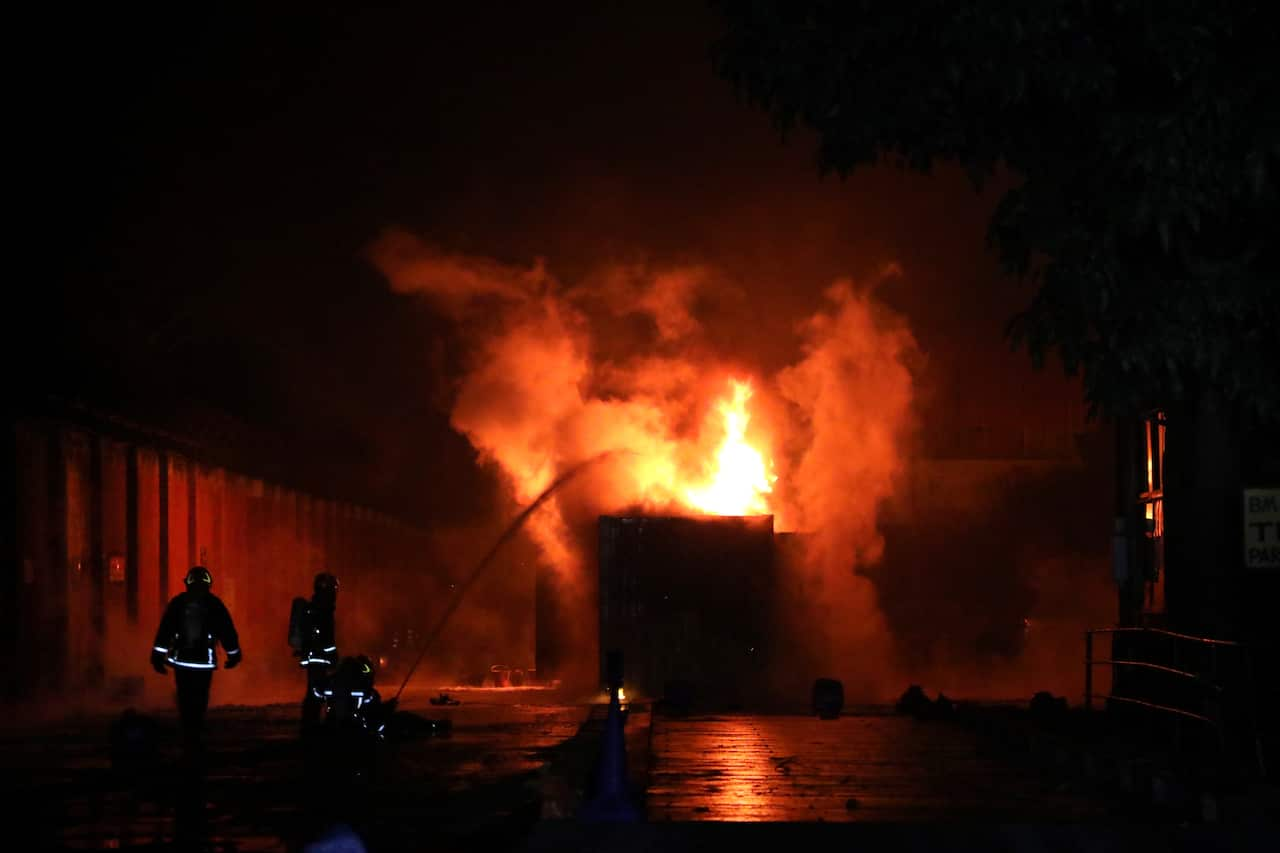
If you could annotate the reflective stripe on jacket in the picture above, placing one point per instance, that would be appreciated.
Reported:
(178, 649)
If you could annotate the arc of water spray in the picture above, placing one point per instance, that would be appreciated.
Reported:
(510, 531)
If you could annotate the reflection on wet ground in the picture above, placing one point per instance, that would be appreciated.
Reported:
(505, 767)
(870, 767)
(255, 790)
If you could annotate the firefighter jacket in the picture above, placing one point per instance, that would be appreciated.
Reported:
(191, 625)
(361, 710)
(352, 703)
(319, 647)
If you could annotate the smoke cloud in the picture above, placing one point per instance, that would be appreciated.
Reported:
(852, 390)
(555, 373)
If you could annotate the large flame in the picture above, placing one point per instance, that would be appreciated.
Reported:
(625, 362)
(742, 480)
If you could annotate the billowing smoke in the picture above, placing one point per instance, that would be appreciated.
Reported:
(556, 373)
(852, 390)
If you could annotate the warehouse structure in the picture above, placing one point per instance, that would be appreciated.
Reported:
(107, 517)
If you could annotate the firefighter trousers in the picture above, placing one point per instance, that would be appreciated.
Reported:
(312, 705)
(193, 702)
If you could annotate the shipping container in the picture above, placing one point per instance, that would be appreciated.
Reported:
(688, 602)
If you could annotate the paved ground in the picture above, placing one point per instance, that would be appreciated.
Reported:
(512, 774)
(948, 837)
(871, 767)
(259, 793)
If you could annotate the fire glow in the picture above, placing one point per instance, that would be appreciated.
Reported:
(721, 470)
(546, 383)
(742, 481)
(629, 365)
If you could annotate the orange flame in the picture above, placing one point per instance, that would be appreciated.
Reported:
(742, 480)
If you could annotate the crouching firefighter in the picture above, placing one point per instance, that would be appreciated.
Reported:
(311, 635)
(353, 706)
(355, 717)
(193, 622)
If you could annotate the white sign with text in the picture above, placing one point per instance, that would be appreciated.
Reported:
(1262, 528)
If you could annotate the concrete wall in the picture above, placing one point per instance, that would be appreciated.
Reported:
(88, 499)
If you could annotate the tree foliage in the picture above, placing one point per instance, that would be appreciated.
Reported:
(1145, 138)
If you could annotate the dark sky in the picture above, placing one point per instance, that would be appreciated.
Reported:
(200, 186)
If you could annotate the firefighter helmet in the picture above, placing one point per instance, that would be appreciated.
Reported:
(325, 584)
(198, 575)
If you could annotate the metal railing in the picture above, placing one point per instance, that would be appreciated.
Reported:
(1210, 682)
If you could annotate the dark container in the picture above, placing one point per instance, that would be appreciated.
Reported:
(678, 698)
(613, 669)
(688, 601)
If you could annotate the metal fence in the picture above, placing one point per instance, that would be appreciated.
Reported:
(1188, 660)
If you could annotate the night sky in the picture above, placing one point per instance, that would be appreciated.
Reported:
(201, 187)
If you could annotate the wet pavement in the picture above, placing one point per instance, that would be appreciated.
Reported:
(513, 774)
(874, 766)
(258, 792)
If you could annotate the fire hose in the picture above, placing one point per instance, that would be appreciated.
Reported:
(507, 534)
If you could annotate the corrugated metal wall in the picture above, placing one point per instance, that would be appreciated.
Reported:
(106, 528)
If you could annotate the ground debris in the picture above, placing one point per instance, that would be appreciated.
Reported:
(913, 701)
(1047, 708)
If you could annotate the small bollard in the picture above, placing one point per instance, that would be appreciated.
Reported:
(828, 698)
(612, 800)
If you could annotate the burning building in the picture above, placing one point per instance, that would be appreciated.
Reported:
(688, 600)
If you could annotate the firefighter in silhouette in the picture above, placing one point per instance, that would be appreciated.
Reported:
(353, 706)
(342, 753)
(355, 721)
(311, 636)
(192, 624)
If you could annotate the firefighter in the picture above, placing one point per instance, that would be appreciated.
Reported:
(311, 634)
(355, 719)
(192, 624)
(352, 702)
